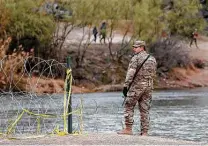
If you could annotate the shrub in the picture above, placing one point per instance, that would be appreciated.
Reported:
(170, 53)
(11, 67)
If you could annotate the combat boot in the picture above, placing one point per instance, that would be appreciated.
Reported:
(144, 133)
(126, 131)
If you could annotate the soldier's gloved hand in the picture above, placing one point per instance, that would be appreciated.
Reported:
(125, 90)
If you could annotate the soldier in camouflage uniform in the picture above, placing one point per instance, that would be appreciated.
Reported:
(140, 90)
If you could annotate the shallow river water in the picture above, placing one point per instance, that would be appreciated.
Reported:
(179, 114)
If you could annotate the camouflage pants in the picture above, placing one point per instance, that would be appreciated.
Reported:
(144, 103)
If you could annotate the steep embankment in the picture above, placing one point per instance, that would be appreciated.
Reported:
(199, 77)
(191, 76)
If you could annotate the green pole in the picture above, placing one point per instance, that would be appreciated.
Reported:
(69, 96)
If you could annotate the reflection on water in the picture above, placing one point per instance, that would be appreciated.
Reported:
(180, 114)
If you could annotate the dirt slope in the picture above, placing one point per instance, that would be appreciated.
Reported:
(192, 76)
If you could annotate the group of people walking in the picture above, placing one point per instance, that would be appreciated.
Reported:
(102, 32)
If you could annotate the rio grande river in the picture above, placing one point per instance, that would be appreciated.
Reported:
(179, 114)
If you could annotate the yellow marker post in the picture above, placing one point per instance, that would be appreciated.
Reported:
(68, 91)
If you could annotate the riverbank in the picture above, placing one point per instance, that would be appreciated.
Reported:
(177, 78)
(98, 139)
(97, 75)
(97, 72)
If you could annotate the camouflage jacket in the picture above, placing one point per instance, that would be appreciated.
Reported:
(144, 78)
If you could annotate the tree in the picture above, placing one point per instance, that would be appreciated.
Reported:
(27, 21)
(83, 16)
(147, 20)
(184, 17)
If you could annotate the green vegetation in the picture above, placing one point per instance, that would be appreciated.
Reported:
(184, 17)
(26, 20)
(49, 25)
(147, 18)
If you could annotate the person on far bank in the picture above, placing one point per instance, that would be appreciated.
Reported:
(103, 32)
(194, 37)
(95, 32)
(138, 88)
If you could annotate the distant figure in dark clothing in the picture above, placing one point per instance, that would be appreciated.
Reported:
(103, 32)
(194, 37)
(95, 32)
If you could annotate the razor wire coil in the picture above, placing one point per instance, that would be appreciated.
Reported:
(33, 97)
